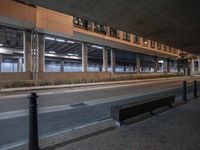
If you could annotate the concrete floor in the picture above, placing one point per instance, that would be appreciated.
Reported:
(176, 129)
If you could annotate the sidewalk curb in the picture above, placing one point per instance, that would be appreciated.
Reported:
(37, 88)
(70, 136)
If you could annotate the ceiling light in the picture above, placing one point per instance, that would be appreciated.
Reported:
(70, 54)
(52, 52)
(161, 61)
(71, 42)
(76, 55)
(98, 47)
(145, 42)
(49, 38)
(60, 40)
(1, 45)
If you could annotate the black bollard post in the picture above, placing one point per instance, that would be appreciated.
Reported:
(33, 122)
(195, 88)
(184, 91)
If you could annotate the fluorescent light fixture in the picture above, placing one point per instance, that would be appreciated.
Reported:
(71, 42)
(49, 38)
(76, 55)
(98, 47)
(70, 54)
(161, 61)
(60, 40)
(1, 45)
(52, 52)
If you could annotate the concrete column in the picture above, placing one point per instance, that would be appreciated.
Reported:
(0, 61)
(27, 51)
(168, 65)
(178, 66)
(62, 63)
(198, 64)
(138, 63)
(105, 59)
(19, 65)
(192, 66)
(41, 54)
(156, 64)
(124, 68)
(112, 61)
(84, 57)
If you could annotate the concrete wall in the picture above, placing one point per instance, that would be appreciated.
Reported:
(50, 21)
(16, 76)
(73, 76)
(17, 14)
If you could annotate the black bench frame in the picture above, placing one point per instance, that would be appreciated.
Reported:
(127, 111)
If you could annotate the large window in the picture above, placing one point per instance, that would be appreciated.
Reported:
(114, 33)
(153, 44)
(159, 46)
(126, 36)
(136, 39)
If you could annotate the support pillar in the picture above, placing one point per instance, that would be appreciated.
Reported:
(19, 65)
(124, 68)
(84, 57)
(168, 65)
(41, 53)
(198, 64)
(112, 61)
(178, 66)
(0, 61)
(62, 63)
(192, 66)
(138, 63)
(27, 51)
(156, 64)
(105, 59)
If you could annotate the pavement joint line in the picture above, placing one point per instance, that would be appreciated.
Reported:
(82, 90)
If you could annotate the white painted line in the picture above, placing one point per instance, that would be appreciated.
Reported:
(22, 113)
(13, 145)
(23, 142)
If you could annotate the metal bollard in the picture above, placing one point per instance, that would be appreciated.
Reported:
(184, 91)
(195, 88)
(33, 122)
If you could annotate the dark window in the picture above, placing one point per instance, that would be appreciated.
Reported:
(136, 39)
(159, 46)
(153, 44)
(126, 36)
(114, 32)
(164, 47)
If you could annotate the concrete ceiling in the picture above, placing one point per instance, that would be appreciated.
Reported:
(173, 22)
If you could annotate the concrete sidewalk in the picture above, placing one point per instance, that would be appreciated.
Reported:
(176, 129)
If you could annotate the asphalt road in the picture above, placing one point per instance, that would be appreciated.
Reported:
(87, 105)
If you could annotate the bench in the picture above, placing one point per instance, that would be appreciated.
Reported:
(126, 111)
